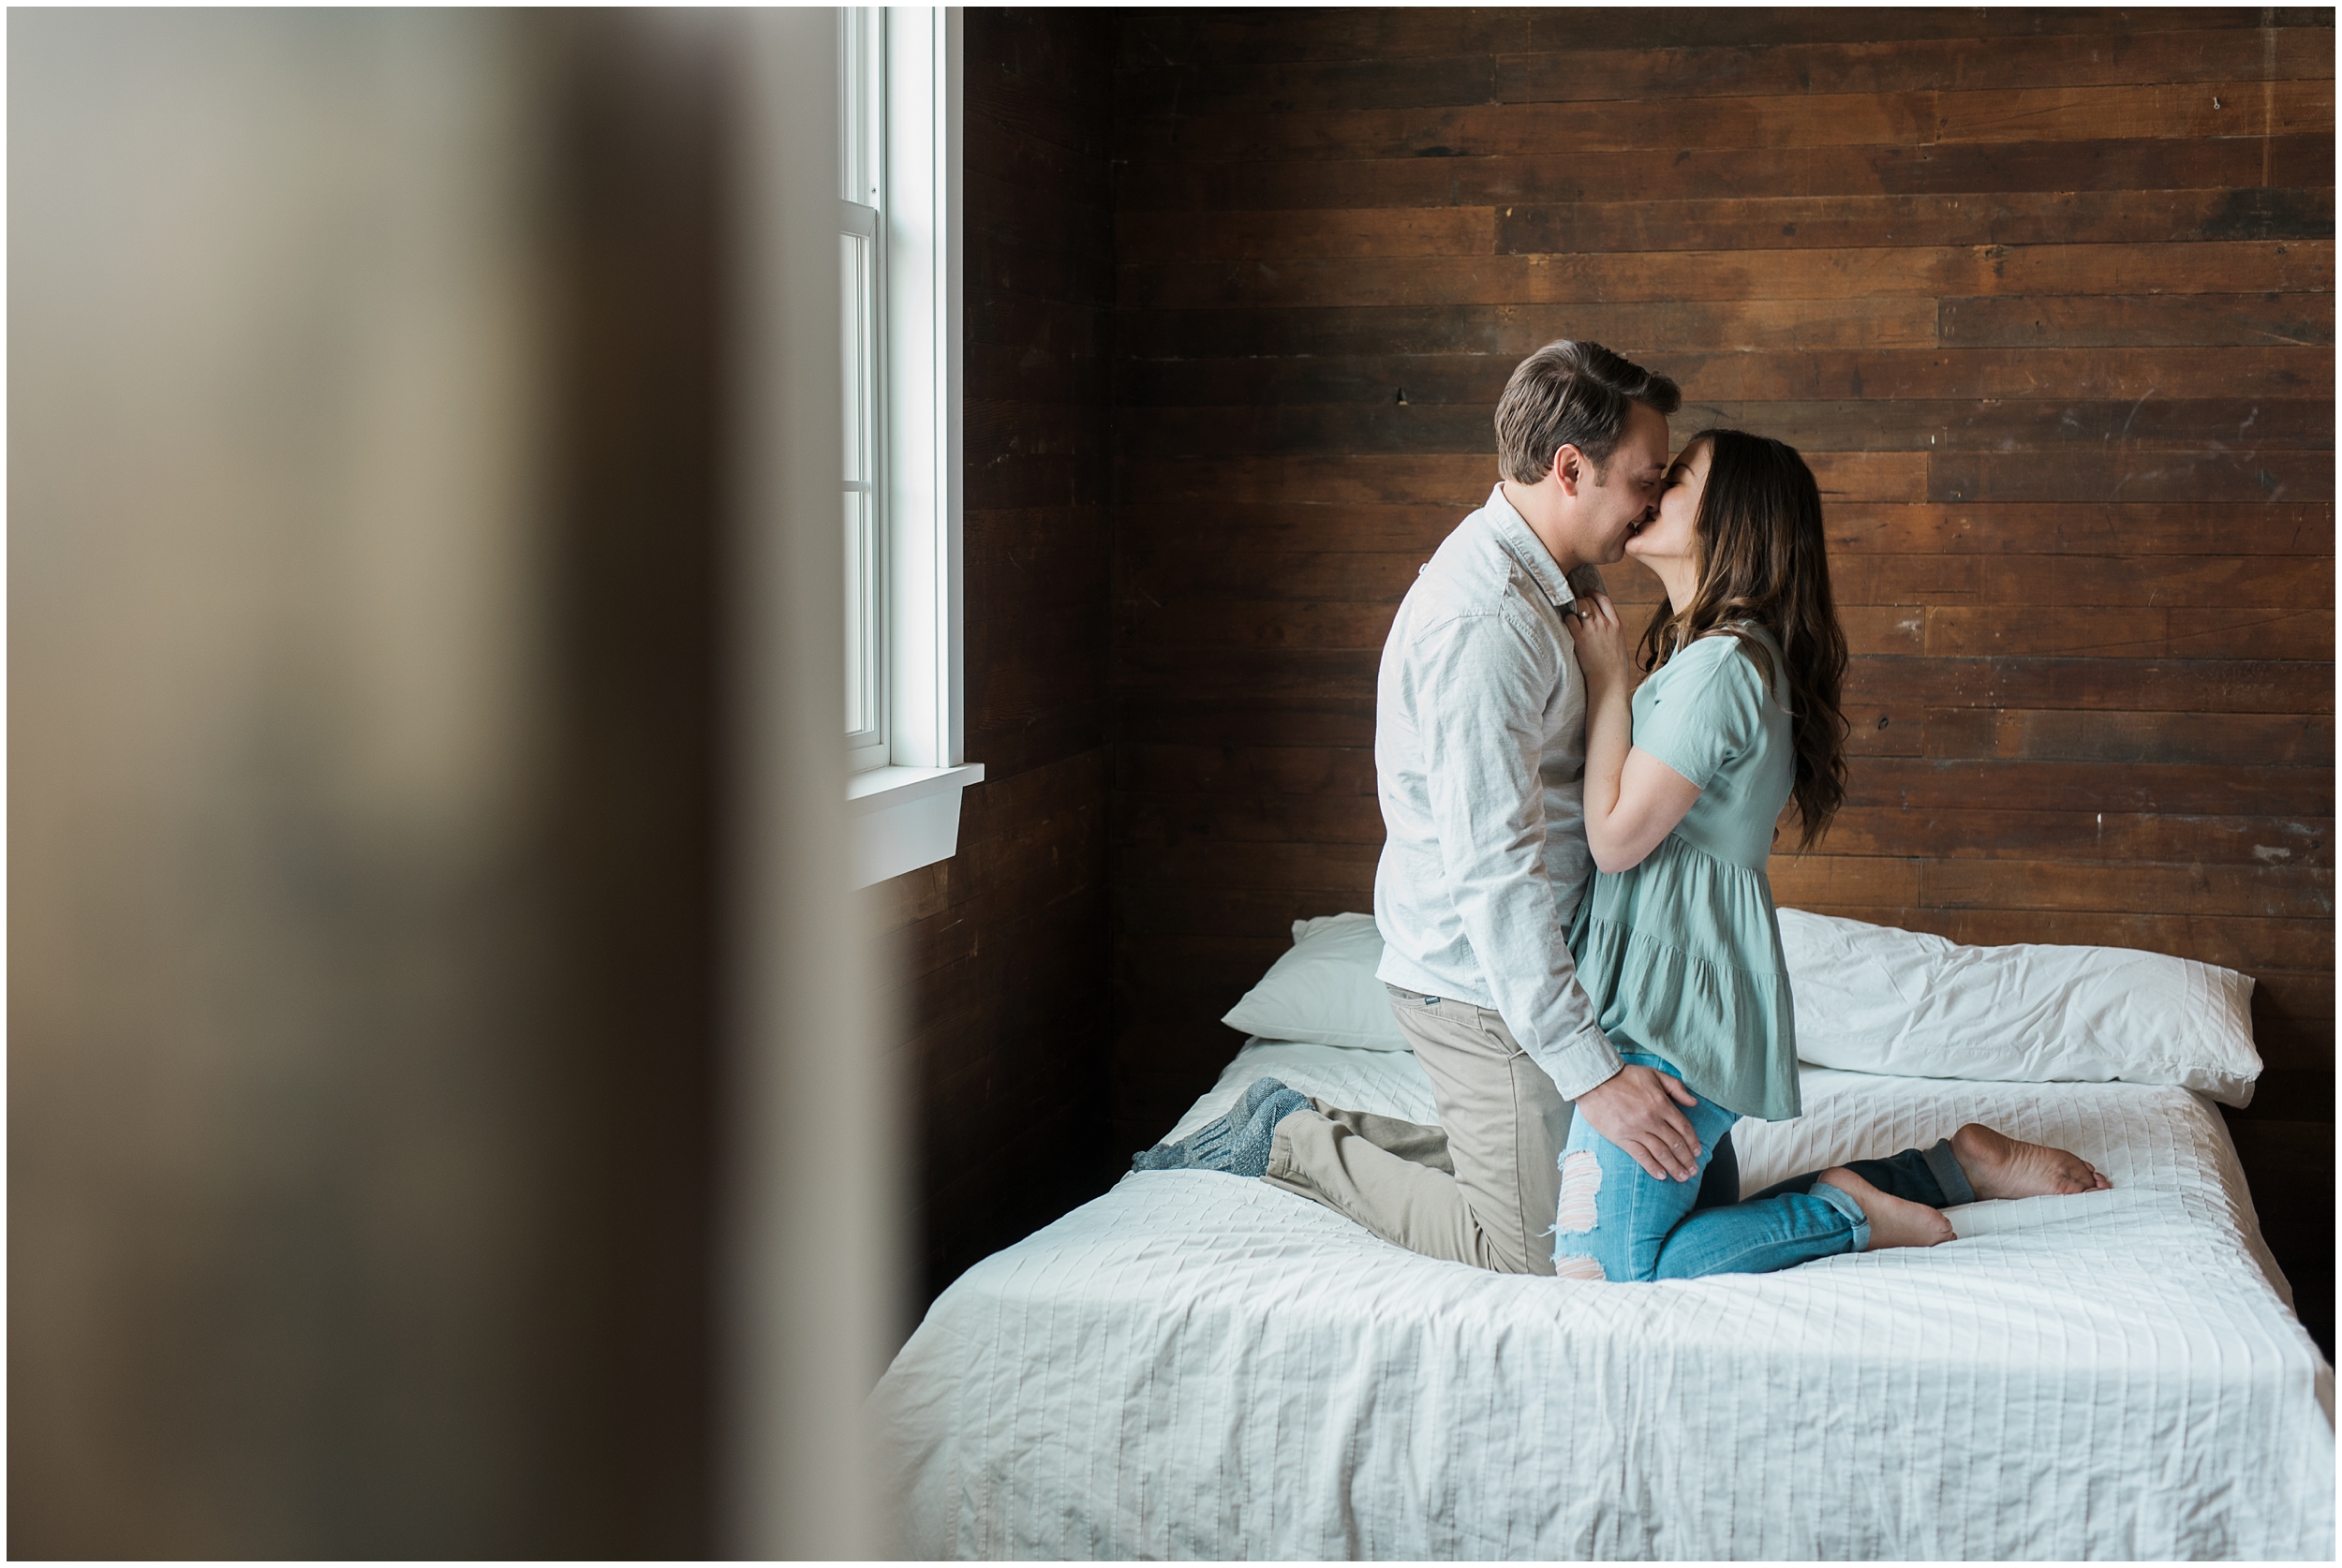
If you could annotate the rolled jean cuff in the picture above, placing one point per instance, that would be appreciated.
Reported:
(1945, 1167)
(1843, 1203)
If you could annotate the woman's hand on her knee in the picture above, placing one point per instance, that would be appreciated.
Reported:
(1637, 1110)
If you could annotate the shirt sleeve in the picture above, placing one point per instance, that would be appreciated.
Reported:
(1706, 709)
(1484, 690)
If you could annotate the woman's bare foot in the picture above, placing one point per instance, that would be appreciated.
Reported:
(1894, 1221)
(1999, 1166)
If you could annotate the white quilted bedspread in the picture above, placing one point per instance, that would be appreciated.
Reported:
(1198, 1365)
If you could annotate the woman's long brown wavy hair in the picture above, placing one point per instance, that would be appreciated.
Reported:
(1761, 557)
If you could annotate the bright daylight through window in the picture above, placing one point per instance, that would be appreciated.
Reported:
(899, 98)
(861, 218)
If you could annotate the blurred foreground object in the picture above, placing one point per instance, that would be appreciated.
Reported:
(388, 870)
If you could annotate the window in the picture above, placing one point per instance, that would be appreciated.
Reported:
(861, 223)
(899, 280)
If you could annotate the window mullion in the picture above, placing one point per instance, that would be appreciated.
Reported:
(861, 222)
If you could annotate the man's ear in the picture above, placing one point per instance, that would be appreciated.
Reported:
(1569, 468)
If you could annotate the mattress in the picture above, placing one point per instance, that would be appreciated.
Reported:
(1198, 1366)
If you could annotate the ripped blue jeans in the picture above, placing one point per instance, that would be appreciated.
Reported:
(1617, 1221)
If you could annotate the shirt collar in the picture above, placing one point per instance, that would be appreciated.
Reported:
(1512, 531)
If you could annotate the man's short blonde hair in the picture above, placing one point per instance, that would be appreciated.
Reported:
(1571, 394)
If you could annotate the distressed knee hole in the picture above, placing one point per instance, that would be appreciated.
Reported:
(1581, 1184)
(1570, 1266)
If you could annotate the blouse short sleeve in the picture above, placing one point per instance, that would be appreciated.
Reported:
(1702, 710)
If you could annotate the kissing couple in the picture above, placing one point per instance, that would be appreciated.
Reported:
(1579, 936)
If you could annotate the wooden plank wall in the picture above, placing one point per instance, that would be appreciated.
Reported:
(1004, 995)
(2047, 300)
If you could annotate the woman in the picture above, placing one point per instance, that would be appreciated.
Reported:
(1677, 943)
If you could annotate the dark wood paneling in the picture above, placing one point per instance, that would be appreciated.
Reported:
(1222, 38)
(1458, 482)
(2232, 475)
(1148, 336)
(2206, 163)
(2246, 529)
(1148, 527)
(2207, 320)
(1155, 569)
(2022, 373)
(2173, 112)
(1881, 273)
(2048, 217)
(1730, 71)
(2268, 429)
(2211, 790)
(1002, 963)
(2045, 297)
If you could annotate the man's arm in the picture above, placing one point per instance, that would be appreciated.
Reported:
(1481, 711)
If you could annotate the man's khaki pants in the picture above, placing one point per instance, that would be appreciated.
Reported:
(1480, 1188)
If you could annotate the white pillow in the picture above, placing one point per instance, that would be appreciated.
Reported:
(1323, 992)
(1870, 999)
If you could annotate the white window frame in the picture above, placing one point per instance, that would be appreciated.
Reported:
(861, 309)
(904, 798)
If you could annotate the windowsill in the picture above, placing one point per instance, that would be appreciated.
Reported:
(905, 818)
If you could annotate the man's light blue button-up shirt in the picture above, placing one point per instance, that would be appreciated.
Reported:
(1480, 762)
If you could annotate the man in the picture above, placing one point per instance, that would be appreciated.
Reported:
(1479, 753)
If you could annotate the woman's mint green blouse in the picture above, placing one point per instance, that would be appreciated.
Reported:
(1681, 954)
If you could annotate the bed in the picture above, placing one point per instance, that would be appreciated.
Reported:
(1198, 1366)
